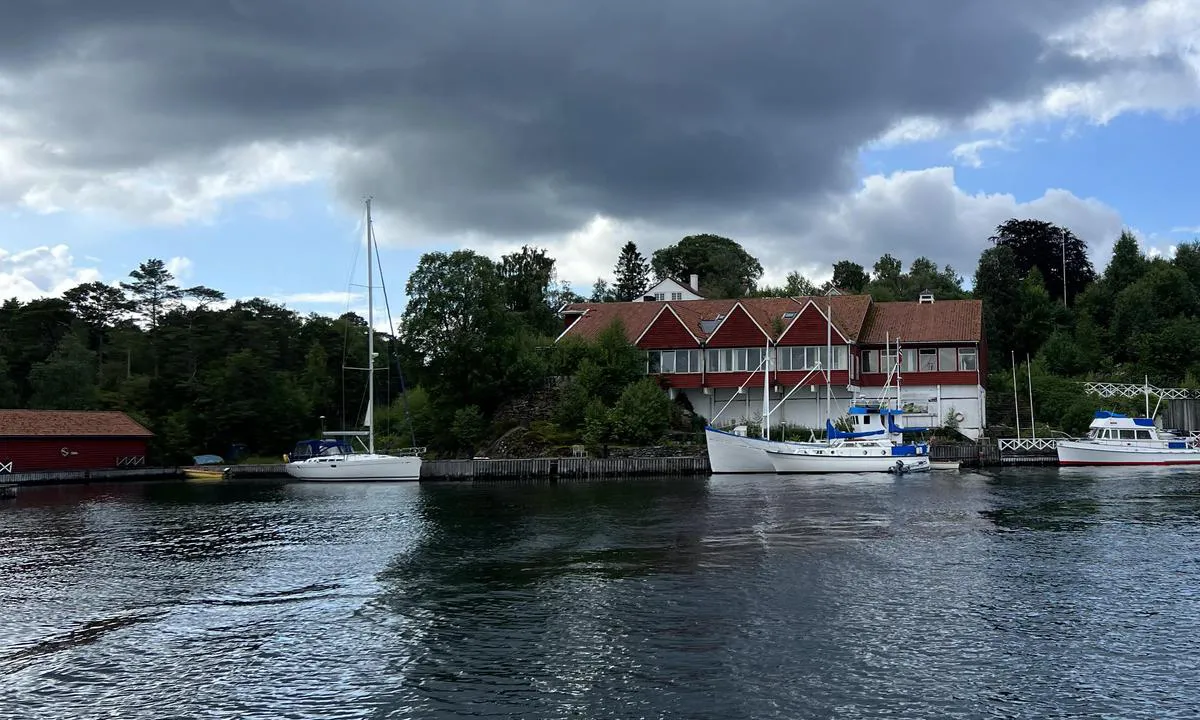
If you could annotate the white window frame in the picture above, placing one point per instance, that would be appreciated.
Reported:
(948, 359)
(692, 356)
(963, 354)
(926, 353)
(676, 296)
(871, 366)
(733, 359)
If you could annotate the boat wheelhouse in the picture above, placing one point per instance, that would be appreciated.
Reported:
(1116, 439)
(874, 444)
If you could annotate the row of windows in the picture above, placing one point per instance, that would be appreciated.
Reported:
(807, 357)
(921, 360)
(663, 296)
(1120, 434)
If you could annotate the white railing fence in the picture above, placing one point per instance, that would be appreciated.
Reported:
(1130, 390)
(1028, 445)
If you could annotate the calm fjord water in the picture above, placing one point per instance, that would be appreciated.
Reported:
(1029, 593)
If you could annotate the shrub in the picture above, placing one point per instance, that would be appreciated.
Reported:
(642, 414)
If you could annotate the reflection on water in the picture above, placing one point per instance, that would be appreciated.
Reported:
(1025, 593)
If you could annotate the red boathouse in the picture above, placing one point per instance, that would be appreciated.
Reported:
(42, 440)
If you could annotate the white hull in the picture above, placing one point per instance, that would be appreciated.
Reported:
(945, 465)
(352, 468)
(729, 453)
(1071, 452)
(845, 460)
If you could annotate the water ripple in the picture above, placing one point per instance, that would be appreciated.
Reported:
(1016, 594)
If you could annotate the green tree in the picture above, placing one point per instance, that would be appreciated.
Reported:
(1127, 265)
(1037, 316)
(9, 395)
(725, 269)
(153, 290)
(632, 274)
(642, 414)
(849, 276)
(316, 381)
(796, 285)
(597, 427)
(887, 281)
(999, 287)
(67, 379)
(469, 427)
(98, 305)
(526, 279)
(612, 363)
(1187, 259)
(601, 292)
(1040, 244)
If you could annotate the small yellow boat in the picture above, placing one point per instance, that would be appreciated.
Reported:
(204, 474)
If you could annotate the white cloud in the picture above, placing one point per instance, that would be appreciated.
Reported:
(42, 180)
(969, 153)
(332, 297)
(1157, 69)
(180, 267)
(924, 212)
(907, 214)
(41, 272)
(1187, 230)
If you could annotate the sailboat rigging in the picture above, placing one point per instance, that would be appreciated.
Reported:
(344, 467)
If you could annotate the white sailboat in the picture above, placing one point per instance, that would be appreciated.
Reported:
(350, 467)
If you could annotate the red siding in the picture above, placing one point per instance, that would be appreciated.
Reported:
(810, 328)
(737, 331)
(37, 454)
(789, 378)
(684, 380)
(733, 379)
(667, 333)
(922, 378)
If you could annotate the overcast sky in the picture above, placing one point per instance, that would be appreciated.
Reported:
(237, 138)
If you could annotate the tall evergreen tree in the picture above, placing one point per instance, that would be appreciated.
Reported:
(632, 273)
(154, 290)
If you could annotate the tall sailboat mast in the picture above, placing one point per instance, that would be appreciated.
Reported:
(370, 339)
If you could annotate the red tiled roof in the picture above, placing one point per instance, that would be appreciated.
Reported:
(849, 311)
(855, 316)
(69, 423)
(596, 318)
(939, 321)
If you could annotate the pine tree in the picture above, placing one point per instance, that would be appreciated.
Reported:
(632, 273)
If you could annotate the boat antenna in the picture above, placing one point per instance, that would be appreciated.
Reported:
(1029, 374)
(1016, 397)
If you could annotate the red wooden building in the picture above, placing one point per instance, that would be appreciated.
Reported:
(42, 440)
(708, 349)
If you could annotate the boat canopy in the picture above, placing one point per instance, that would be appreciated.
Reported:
(1107, 415)
(894, 428)
(832, 432)
(326, 446)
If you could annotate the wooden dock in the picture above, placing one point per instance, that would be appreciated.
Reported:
(53, 477)
(563, 468)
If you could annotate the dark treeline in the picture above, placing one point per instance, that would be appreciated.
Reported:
(477, 337)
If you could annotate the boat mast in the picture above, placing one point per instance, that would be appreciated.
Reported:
(370, 340)
(766, 431)
(828, 362)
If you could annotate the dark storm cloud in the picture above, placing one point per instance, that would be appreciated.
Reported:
(521, 116)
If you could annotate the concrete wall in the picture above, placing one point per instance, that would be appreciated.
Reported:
(806, 407)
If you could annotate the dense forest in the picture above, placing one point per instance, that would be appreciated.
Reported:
(475, 358)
